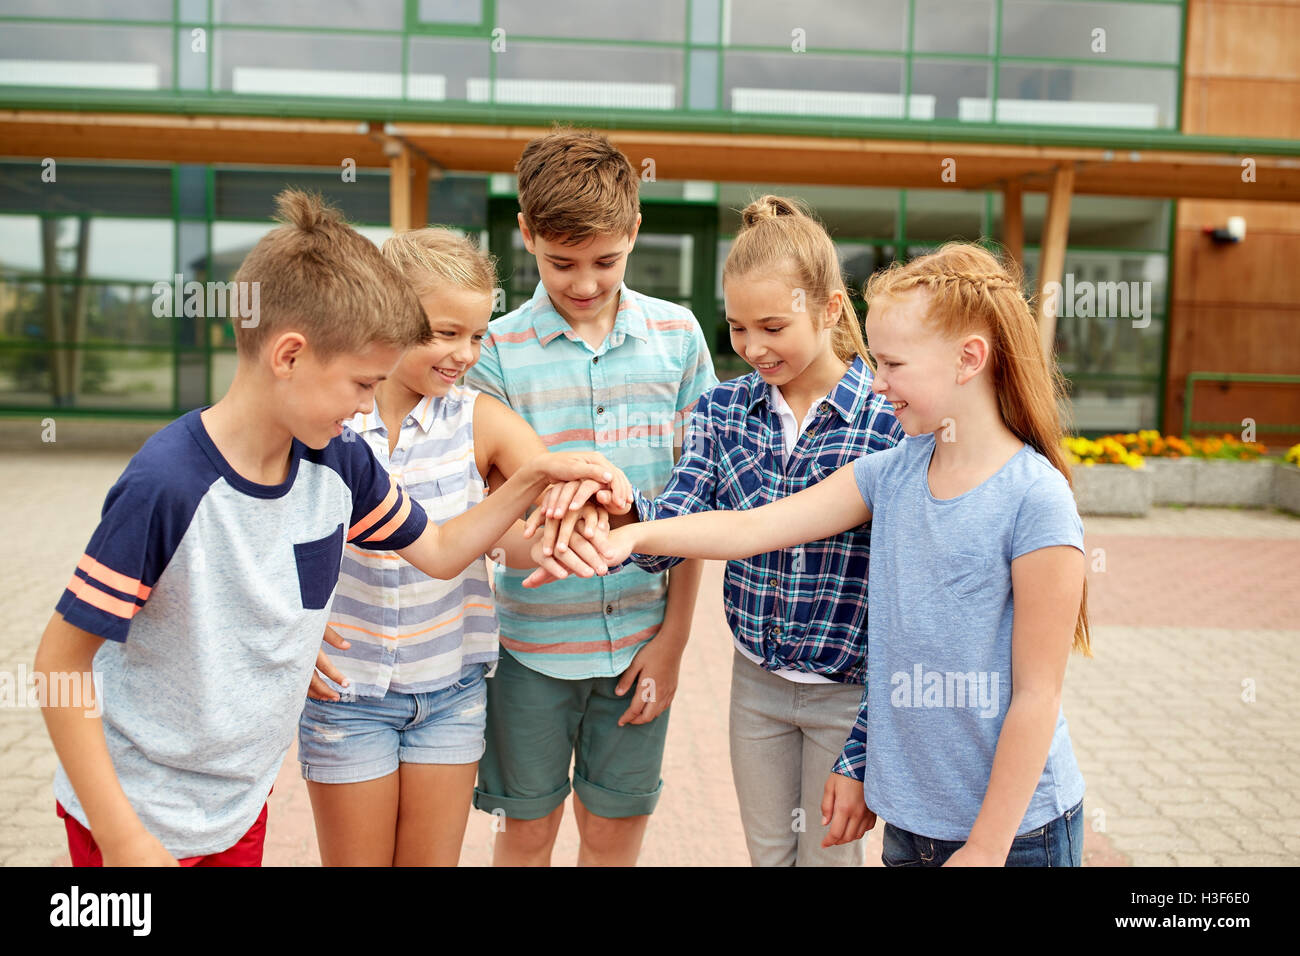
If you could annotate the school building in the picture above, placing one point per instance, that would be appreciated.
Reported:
(1116, 148)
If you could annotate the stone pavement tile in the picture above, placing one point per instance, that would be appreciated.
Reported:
(1195, 859)
(1199, 523)
(1211, 837)
(1136, 825)
(1144, 858)
(1259, 859)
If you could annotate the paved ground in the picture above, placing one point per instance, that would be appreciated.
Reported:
(1186, 722)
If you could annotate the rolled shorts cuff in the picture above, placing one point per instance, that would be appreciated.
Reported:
(350, 773)
(521, 808)
(441, 755)
(614, 804)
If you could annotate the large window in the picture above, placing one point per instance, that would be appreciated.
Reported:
(89, 266)
(1089, 63)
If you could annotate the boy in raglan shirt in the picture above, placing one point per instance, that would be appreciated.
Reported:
(202, 596)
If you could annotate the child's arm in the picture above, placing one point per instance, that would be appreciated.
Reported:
(503, 443)
(828, 508)
(443, 551)
(1047, 586)
(78, 735)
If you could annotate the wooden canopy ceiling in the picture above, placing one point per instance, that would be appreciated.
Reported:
(677, 155)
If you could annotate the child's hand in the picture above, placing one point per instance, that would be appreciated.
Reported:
(318, 689)
(619, 544)
(844, 811)
(652, 678)
(141, 849)
(591, 519)
(969, 855)
(581, 558)
(571, 466)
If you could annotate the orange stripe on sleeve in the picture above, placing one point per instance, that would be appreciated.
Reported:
(393, 525)
(115, 580)
(360, 527)
(105, 602)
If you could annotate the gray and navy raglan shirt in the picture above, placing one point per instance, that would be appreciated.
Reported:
(213, 592)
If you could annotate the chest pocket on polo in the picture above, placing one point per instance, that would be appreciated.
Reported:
(649, 406)
(318, 568)
(741, 480)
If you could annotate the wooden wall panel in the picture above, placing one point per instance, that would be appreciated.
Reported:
(1236, 308)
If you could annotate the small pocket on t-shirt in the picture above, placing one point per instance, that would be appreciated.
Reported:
(318, 568)
(964, 574)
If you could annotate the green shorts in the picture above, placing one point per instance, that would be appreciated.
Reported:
(537, 725)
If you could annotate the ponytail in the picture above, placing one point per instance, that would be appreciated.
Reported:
(777, 233)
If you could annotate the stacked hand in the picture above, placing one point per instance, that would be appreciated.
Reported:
(584, 506)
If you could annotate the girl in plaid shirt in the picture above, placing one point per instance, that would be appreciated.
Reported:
(798, 615)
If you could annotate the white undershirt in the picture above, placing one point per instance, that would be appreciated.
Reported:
(790, 434)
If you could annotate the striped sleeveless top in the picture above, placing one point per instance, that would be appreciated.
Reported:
(411, 633)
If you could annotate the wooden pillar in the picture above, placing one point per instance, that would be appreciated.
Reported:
(1013, 222)
(408, 190)
(1051, 260)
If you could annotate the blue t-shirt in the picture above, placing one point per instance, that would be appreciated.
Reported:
(939, 668)
(213, 592)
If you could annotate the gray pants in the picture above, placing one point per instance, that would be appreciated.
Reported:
(785, 737)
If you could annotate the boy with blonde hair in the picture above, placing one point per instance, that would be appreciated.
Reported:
(589, 364)
(201, 598)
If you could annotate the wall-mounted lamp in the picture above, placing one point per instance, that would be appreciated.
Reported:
(1234, 231)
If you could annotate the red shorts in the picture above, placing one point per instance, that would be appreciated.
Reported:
(247, 852)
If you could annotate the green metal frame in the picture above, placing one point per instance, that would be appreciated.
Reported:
(1194, 377)
(212, 101)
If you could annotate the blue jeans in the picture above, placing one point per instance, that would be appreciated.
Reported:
(1058, 843)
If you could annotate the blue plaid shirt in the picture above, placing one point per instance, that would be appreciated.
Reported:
(803, 608)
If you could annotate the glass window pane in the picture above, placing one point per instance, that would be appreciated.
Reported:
(663, 21)
(305, 64)
(463, 12)
(545, 74)
(250, 194)
(84, 188)
(341, 14)
(1116, 222)
(938, 215)
(809, 85)
(846, 212)
(946, 82)
(662, 266)
(89, 9)
(944, 26)
(442, 68)
(826, 24)
(1080, 96)
(1113, 406)
(20, 244)
(1130, 31)
(108, 57)
(1091, 282)
(127, 248)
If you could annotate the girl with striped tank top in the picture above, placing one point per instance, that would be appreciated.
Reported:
(392, 730)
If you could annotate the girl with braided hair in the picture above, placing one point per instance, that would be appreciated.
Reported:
(978, 591)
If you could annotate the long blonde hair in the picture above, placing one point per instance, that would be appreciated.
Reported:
(778, 233)
(972, 291)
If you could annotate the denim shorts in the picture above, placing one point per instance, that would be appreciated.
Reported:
(364, 738)
(1058, 843)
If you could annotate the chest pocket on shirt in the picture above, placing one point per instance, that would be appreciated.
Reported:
(964, 574)
(650, 403)
(318, 568)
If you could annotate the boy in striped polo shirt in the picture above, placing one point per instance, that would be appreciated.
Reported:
(589, 364)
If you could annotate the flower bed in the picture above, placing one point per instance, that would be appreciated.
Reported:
(1125, 474)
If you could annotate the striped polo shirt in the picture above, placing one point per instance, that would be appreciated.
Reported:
(629, 399)
(411, 633)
